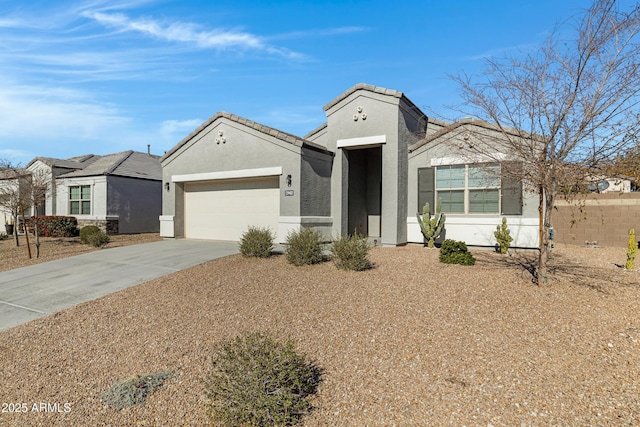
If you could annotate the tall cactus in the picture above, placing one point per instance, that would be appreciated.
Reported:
(503, 236)
(431, 227)
(632, 250)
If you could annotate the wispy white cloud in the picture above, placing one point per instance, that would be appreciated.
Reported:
(15, 156)
(39, 119)
(297, 120)
(323, 32)
(499, 52)
(11, 23)
(172, 131)
(185, 32)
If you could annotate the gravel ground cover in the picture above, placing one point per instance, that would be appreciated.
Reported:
(409, 342)
(52, 248)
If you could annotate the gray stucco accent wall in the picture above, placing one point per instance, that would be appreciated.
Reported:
(359, 117)
(136, 202)
(315, 175)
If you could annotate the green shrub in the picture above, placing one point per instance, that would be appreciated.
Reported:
(134, 390)
(503, 236)
(351, 252)
(455, 252)
(304, 247)
(258, 381)
(94, 236)
(3, 236)
(86, 231)
(257, 242)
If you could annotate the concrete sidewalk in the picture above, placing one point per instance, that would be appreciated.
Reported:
(31, 292)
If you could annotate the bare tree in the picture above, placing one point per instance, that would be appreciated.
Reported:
(626, 164)
(15, 194)
(39, 187)
(565, 108)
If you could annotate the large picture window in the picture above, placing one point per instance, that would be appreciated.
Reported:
(473, 189)
(80, 200)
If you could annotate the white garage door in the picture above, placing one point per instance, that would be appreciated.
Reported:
(223, 210)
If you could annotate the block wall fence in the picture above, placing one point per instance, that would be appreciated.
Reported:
(603, 218)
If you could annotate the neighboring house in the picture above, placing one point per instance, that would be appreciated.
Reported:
(121, 192)
(370, 168)
(610, 184)
(14, 186)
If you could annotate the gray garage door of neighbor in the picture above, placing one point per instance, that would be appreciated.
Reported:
(224, 209)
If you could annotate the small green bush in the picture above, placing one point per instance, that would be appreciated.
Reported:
(455, 252)
(94, 236)
(3, 236)
(304, 247)
(86, 231)
(257, 242)
(258, 381)
(351, 252)
(134, 390)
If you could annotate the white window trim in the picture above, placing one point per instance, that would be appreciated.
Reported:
(466, 190)
(80, 200)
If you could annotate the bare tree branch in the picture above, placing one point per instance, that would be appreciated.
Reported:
(566, 108)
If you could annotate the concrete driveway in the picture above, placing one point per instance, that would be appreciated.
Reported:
(31, 292)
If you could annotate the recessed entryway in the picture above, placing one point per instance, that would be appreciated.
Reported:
(365, 191)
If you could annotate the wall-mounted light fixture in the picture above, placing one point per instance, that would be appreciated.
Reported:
(289, 180)
(167, 185)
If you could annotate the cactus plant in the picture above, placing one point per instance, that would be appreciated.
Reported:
(431, 227)
(632, 250)
(503, 236)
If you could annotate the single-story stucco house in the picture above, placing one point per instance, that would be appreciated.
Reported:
(370, 168)
(120, 192)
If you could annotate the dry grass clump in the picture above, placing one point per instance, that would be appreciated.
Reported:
(134, 390)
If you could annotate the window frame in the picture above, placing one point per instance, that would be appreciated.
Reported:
(82, 201)
(468, 188)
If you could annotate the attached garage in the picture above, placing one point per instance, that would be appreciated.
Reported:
(224, 209)
(232, 173)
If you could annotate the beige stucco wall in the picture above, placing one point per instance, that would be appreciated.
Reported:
(603, 218)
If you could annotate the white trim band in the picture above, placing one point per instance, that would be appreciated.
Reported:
(362, 142)
(234, 174)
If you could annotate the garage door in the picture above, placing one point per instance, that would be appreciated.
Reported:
(223, 210)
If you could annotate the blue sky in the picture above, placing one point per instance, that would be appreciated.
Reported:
(106, 76)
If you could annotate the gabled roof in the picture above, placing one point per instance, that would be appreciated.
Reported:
(130, 164)
(13, 173)
(283, 136)
(374, 89)
(316, 130)
(462, 122)
(78, 162)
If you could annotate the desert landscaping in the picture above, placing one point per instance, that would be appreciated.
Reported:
(411, 341)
